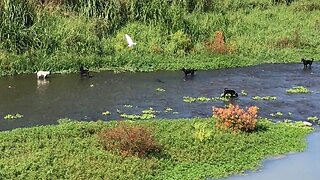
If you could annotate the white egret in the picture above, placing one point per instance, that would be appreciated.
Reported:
(130, 41)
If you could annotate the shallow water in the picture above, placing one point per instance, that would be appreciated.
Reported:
(70, 96)
(296, 166)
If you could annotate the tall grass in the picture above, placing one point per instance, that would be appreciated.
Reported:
(61, 34)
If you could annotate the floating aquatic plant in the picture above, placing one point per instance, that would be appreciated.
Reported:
(288, 121)
(298, 89)
(168, 110)
(265, 98)
(106, 113)
(277, 114)
(243, 93)
(313, 118)
(219, 99)
(146, 114)
(202, 99)
(160, 90)
(13, 116)
(149, 111)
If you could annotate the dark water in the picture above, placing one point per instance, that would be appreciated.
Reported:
(299, 166)
(70, 96)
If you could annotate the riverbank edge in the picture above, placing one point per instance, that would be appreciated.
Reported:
(130, 62)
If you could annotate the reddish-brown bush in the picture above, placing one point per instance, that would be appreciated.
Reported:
(129, 140)
(218, 45)
(235, 118)
(293, 41)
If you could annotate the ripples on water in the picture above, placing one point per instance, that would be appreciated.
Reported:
(60, 96)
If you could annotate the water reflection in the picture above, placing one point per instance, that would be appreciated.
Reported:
(42, 85)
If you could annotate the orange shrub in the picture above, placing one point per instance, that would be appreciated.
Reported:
(235, 118)
(218, 45)
(129, 140)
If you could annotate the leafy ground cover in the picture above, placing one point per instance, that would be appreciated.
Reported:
(191, 149)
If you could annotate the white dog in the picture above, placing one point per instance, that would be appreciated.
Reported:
(44, 74)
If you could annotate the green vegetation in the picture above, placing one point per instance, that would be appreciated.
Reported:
(106, 113)
(276, 114)
(61, 35)
(160, 90)
(146, 114)
(298, 90)
(265, 98)
(13, 116)
(189, 99)
(168, 110)
(191, 149)
(313, 118)
(243, 93)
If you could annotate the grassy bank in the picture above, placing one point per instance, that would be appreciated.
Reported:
(62, 35)
(71, 150)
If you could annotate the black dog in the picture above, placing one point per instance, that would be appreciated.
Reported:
(229, 93)
(84, 72)
(306, 63)
(188, 71)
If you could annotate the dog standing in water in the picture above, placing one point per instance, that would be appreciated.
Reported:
(229, 93)
(43, 74)
(188, 71)
(306, 63)
(84, 72)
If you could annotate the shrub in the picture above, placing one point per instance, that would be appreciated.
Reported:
(129, 140)
(179, 44)
(218, 45)
(235, 118)
(294, 41)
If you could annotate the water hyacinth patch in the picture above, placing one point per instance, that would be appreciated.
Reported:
(11, 117)
(313, 118)
(288, 121)
(194, 99)
(160, 90)
(149, 111)
(243, 93)
(168, 109)
(106, 113)
(265, 98)
(189, 99)
(276, 114)
(298, 89)
(146, 114)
